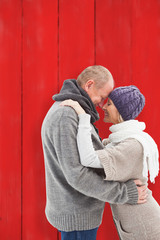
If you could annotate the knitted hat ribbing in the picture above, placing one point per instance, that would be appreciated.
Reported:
(128, 100)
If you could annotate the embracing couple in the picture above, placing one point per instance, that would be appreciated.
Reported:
(83, 172)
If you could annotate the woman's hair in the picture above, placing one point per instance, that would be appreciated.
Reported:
(120, 119)
(99, 74)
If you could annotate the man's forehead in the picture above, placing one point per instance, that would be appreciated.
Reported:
(108, 87)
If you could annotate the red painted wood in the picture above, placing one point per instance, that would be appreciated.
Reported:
(114, 38)
(40, 63)
(125, 39)
(10, 120)
(76, 42)
(146, 71)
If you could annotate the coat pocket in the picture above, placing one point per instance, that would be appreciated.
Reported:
(122, 234)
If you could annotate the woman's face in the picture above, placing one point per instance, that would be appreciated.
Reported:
(111, 114)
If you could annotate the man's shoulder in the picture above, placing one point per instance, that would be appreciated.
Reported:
(59, 117)
(61, 113)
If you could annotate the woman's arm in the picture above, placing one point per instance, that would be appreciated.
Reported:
(88, 156)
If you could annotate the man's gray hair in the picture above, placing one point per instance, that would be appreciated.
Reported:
(98, 73)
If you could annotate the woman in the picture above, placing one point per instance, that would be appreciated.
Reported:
(129, 153)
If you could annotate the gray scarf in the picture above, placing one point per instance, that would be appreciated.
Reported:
(71, 90)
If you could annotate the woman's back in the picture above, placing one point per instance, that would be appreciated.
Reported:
(124, 162)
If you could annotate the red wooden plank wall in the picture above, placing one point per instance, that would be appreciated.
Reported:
(43, 43)
(10, 120)
(39, 83)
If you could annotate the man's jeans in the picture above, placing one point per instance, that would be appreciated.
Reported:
(80, 235)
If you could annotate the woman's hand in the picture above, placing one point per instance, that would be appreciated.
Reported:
(74, 104)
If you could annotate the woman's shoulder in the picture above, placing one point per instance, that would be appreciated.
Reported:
(131, 144)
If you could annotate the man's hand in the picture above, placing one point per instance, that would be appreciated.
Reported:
(142, 191)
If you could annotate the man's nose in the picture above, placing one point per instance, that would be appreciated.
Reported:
(101, 104)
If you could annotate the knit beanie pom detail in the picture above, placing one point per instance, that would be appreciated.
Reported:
(128, 100)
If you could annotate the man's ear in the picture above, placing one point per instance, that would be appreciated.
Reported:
(88, 85)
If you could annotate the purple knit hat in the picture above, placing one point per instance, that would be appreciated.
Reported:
(128, 100)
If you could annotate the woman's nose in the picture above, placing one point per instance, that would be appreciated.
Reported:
(104, 107)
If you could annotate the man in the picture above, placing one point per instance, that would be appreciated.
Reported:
(76, 195)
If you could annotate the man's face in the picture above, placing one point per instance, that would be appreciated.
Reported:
(98, 95)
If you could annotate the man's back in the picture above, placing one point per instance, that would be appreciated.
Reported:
(68, 183)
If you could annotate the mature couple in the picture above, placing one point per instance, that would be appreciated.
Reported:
(82, 172)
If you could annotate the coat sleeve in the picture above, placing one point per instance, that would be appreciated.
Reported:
(85, 180)
(123, 161)
(87, 153)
